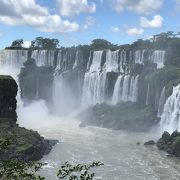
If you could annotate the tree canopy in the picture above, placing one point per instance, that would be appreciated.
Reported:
(45, 43)
(99, 44)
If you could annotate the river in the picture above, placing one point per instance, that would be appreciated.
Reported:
(123, 159)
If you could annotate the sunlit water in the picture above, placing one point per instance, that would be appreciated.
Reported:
(123, 159)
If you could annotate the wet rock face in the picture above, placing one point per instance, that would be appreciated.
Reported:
(8, 92)
(36, 82)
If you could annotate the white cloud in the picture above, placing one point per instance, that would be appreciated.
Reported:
(28, 12)
(134, 31)
(156, 22)
(27, 44)
(114, 29)
(89, 21)
(139, 6)
(75, 7)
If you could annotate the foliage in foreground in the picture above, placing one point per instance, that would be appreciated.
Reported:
(77, 172)
(15, 170)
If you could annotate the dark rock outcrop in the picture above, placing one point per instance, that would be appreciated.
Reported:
(123, 116)
(151, 142)
(25, 145)
(8, 91)
(170, 143)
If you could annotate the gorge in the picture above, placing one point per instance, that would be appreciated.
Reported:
(131, 90)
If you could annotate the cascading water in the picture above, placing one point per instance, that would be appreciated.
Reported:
(13, 58)
(162, 101)
(59, 61)
(158, 57)
(43, 57)
(122, 63)
(78, 59)
(117, 90)
(170, 118)
(126, 89)
(96, 62)
(133, 91)
(94, 82)
(139, 56)
(112, 58)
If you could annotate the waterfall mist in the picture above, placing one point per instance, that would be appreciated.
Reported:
(77, 81)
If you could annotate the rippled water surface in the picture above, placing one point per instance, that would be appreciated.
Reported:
(123, 159)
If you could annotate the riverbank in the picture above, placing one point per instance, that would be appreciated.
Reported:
(25, 145)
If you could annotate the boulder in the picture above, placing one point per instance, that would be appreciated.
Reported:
(170, 143)
(151, 142)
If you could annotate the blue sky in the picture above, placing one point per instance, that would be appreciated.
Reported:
(80, 21)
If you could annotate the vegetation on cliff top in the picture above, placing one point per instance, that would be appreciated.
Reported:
(160, 41)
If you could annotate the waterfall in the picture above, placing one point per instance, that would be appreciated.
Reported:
(137, 56)
(94, 82)
(58, 93)
(94, 88)
(96, 61)
(122, 63)
(117, 90)
(111, 61)
(78, 59)
(59, 61)
(162, 101)
(158, 57)
(43, 57)
(170, 118)
(133, 90)
(126, 89)
(13, 58)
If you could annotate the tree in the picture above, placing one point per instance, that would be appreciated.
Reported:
(101, 44)
(45, 43)
(77, 172)
(17, 43)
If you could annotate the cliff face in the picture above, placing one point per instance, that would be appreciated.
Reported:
(142, 73)
(25, 145)
(36, 82)
(8, 92)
